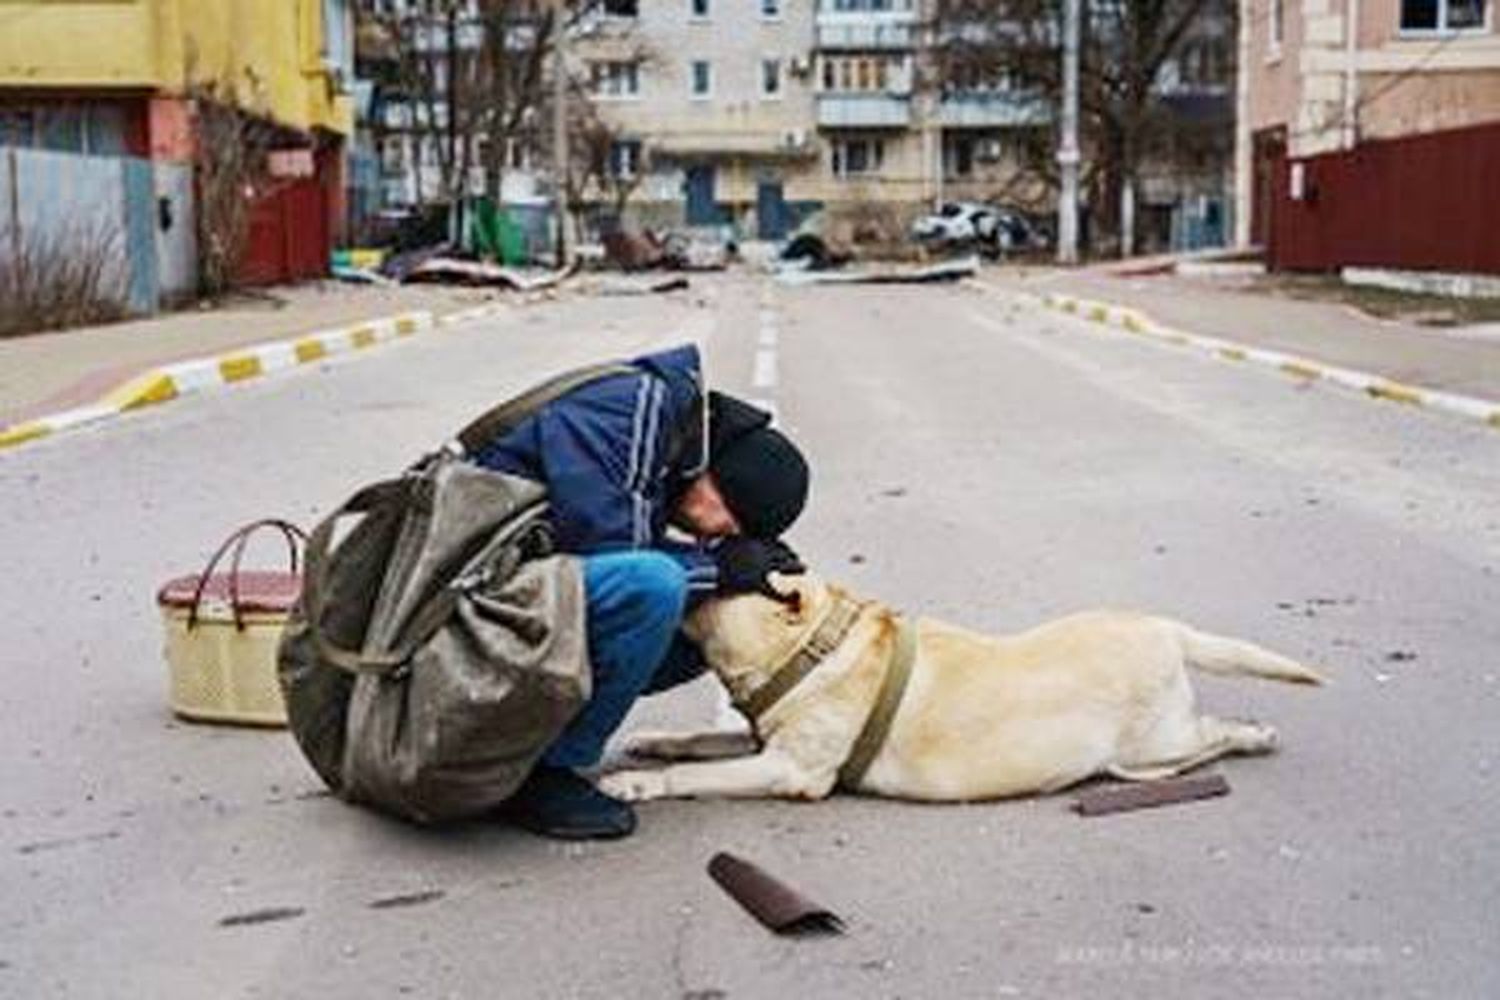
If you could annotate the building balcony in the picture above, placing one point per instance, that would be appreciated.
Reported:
(866, 32)
(992, 110)
(864, 111)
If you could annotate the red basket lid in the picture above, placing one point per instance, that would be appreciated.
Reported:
(259, 590)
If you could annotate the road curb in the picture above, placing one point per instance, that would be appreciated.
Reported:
(185, 378)
(1303, 369)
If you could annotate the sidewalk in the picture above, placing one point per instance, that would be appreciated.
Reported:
(1438, 358)
(48, 372)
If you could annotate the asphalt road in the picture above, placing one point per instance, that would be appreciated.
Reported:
(976, 460)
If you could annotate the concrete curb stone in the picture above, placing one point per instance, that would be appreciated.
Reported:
(1136, 322)
(184, 378)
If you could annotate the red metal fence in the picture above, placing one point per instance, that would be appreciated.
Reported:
(1428, 202)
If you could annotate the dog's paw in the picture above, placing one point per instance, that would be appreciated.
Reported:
(634, 786)
(651, 744)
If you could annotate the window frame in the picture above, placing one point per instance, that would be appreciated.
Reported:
(872, 155)
(1443, 29)
(626, 154)
(707, 93)
(767, 62)
(615, 79)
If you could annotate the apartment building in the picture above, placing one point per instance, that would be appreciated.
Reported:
(754, 113)
(1370, 133)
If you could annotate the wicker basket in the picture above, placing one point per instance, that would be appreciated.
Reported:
(222, 632)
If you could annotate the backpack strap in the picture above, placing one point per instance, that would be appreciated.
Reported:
(509, 414)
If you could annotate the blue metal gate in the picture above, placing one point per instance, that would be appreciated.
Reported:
(770, 211)
(141, 213)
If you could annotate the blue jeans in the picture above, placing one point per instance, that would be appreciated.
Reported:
(635, 607)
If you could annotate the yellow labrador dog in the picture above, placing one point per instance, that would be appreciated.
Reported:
(845, 693)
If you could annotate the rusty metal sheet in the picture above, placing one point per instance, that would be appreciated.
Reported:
(772, 902)
(1106, 799)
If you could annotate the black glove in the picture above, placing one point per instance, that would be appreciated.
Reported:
(745, 563)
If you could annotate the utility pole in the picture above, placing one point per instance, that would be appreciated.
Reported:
(560, 132)
(455, 164)
(1067, 149)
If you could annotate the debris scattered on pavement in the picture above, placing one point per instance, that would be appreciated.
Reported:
(269, 915)
(648, 285)
(361, 276)
(456, 271)
(775, 904)
(1400, 656)
(952, 270)
(633, 251)
(407, 899)
(677, 251)
(1106, 799)
(814, 252)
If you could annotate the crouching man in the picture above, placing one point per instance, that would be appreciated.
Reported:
(624, 459)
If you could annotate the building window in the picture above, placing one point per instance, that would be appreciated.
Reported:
(958, 156)
(876, 6)
(1442, 15)
(393, 154)
(1276, 25)
(517, 154)
(625, 159)
(615, 79)
(622, 8)
(770, 10)
(701, 79)
(864, 74)
(770, 78)
(857, 157)
(698, 10)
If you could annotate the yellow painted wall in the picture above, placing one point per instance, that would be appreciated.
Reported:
(264, 51)
(104, 44)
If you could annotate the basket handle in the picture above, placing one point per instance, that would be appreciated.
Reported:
(238, 541)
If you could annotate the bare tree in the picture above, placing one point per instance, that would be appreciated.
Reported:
(604, 163)
(474, 78)
(1126, 46)
(230, 146)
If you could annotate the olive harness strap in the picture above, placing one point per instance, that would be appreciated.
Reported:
(827, 636)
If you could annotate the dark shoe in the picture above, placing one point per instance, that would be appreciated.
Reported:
(555, 802)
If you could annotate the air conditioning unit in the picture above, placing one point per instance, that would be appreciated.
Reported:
(988, 150)
(794, 138)
(799, 65)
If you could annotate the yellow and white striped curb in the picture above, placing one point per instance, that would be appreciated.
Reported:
(188, 377)
(1306, 369)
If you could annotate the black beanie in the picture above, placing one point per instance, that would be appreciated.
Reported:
(760, 473)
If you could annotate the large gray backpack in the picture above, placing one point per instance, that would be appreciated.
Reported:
(438, 646)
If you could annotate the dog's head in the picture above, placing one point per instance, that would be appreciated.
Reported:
(747, 636)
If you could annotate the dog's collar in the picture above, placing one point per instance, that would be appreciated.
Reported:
(826, 637)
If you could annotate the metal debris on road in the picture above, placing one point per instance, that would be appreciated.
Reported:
(269, 915)
(651, 285)
(475, 273)
(1106, 799)
(775, 904)
(953, 270)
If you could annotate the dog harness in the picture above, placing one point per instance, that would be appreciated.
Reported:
(826, 637)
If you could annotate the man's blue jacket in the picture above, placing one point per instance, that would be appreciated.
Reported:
(614, 455)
